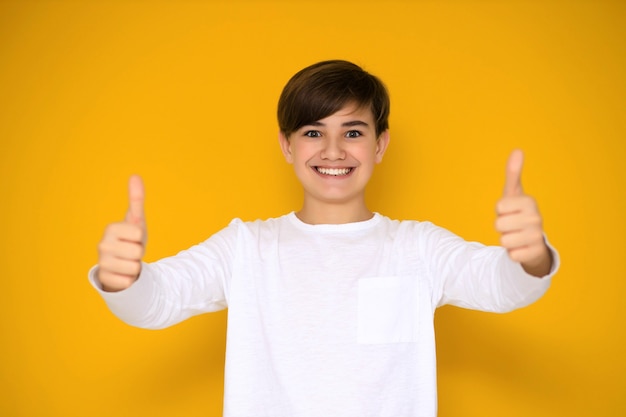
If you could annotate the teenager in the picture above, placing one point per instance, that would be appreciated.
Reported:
(331, 306)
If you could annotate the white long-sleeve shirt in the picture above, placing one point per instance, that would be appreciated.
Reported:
(327, 320)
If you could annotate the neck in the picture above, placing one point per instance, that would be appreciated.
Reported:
(329, 213)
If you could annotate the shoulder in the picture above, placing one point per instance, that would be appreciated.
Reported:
(420, 236)
(412, 227)
(263, 227)
(244, 232)
(260, 223)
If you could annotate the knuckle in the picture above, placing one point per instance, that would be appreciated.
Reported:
(135, 268)
(111, 229)
(105, 278)
(517, 256)
(537, 235)
(530, 204)
(106, 265)
(103, 274)
(134, 233)
(105, 247)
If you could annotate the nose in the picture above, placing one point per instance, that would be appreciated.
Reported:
(333, 149)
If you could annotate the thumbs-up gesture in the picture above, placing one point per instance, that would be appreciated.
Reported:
(123, 245)
(520, 224)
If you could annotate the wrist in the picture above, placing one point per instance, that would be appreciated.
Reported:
(540, 266)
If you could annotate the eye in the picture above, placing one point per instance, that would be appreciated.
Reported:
(313, 133)
(353, 134)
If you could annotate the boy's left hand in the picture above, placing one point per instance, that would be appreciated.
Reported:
(520, 224)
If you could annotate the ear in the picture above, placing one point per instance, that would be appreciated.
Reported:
(381, 145)
(285, 147)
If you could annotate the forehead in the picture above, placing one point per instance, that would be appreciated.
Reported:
(350, 112)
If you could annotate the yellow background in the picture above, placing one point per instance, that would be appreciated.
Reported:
(184, 93)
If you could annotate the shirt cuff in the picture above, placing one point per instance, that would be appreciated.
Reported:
(132, 304)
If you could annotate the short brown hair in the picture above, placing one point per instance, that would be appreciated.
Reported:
(322, 89)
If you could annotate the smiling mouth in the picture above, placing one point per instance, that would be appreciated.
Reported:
(334, 172)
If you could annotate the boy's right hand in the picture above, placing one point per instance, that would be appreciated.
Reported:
(123, 245)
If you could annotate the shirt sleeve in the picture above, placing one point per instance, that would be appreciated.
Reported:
(170, 290)
(479, 277)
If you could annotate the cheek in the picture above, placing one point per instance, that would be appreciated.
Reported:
(368, 154)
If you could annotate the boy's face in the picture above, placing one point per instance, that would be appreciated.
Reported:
(334, 157)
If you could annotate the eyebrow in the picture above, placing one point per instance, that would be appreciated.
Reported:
(351, 123)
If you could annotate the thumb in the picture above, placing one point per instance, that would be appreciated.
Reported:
(513, 183)
(135, 212)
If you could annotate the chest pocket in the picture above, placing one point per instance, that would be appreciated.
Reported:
(387, 310)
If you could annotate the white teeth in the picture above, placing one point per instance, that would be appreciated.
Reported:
(334, 171)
